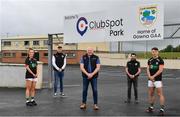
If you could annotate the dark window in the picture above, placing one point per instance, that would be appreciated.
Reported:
(7, 43)
(26, 43)
(35, 42)
(24, 54)
(70, 55)
(45, 54)
(9, 54)
(70, 44)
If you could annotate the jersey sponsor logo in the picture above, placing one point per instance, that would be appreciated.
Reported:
(154, 67)
(33, 65)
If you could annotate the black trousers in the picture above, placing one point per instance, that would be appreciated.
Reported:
(135, 85)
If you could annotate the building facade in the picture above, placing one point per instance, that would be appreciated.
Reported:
(14, 49)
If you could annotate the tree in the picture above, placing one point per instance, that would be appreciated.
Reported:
(177, 49)
(169, 48)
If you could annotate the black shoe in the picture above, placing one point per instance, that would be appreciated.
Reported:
(127, 101)
(29, 104)
(150, 110)
(161, 112)
(34, 103)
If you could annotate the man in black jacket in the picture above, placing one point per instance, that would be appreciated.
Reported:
(90, 66)
(59, 64)
(132, 70)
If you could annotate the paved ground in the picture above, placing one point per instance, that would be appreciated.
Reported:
(112, 93)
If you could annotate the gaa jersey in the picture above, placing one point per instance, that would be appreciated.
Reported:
(133, 66)
(154, 64)
(32, 63)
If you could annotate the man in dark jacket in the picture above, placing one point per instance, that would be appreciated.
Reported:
(132, 70)
(59, 64)
(90, 66)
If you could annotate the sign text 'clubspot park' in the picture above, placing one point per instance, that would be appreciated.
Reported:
(140, 22)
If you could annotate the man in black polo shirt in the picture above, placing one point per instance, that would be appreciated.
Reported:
(59, 64)
(154, 71)
(132, 70)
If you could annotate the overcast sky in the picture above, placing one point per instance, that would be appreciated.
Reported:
(34, 17)
(40, 17)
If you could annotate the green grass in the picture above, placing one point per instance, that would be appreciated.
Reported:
(164, 55)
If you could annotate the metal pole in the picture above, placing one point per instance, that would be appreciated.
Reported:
(175, 32)
(50, 44)
(119, 46)
(146, 49)
(175, 24)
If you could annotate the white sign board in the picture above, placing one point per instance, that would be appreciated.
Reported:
(128, 23)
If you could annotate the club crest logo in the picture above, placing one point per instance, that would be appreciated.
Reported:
(148, 15)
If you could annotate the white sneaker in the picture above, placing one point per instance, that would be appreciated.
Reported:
(96, 107)
(55, 94)
(62, 94)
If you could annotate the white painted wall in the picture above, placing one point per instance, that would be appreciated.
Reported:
(13, 75)
(112, 61)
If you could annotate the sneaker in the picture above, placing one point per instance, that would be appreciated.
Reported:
(55, 94)
(96, 107)
(34, 103)
(62, 94)
(136, 102)
(150, 110)
(127, 101)
(29, 104)
(161, 112)
(83, 106)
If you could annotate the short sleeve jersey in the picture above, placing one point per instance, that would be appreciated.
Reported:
(133, 67)
(154, 64)
(32, 63)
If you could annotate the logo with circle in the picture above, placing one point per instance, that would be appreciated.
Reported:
(82, 26)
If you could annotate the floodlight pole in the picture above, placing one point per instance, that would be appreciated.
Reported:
(50, 53)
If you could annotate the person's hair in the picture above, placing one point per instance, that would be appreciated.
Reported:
(30, 49)
(59, 47)
(155, 48)
(133, 54)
